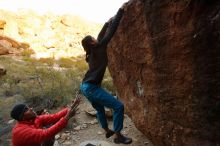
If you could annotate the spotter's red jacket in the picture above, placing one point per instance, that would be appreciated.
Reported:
(31, 133)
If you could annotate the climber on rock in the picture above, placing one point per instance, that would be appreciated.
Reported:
(96, 57)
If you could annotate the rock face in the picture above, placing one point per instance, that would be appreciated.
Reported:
(164, 60)
(11, 46)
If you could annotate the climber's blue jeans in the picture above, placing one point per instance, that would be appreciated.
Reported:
(99, 99)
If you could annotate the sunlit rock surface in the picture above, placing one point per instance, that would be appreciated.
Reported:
(47, 35)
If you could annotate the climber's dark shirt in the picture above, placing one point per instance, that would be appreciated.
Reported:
(98, 59)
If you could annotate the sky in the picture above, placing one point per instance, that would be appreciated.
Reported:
(93, 10)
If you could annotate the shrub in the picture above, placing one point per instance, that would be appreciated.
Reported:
(41, 85)
(65, 62)
(27, 52)
(48, 61)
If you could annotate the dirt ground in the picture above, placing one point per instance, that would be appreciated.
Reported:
(85, 129)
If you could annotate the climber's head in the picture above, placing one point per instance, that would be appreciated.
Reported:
(22, 112)
(89, 43)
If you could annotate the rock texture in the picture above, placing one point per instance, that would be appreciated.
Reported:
(164, 60)
(11, 46)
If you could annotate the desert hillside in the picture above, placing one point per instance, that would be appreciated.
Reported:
(47, 35)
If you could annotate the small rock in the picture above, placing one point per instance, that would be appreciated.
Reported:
(77, 128)
(11, 121)
(96, 143)
(56, 143)
(146, 143)
(100, 133)
(2, 24)
(57, 136)
(74, 125)
(94, 122)
(125, 133)
(64, 136)
(67, 143)
(84, 125)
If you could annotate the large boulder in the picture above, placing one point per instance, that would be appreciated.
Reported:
(164, 60)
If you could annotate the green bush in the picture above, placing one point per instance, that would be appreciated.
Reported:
(48, 61)
(41, 85)
(65, 62)
(27, 52)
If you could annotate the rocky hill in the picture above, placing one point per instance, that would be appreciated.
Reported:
(47, 35)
